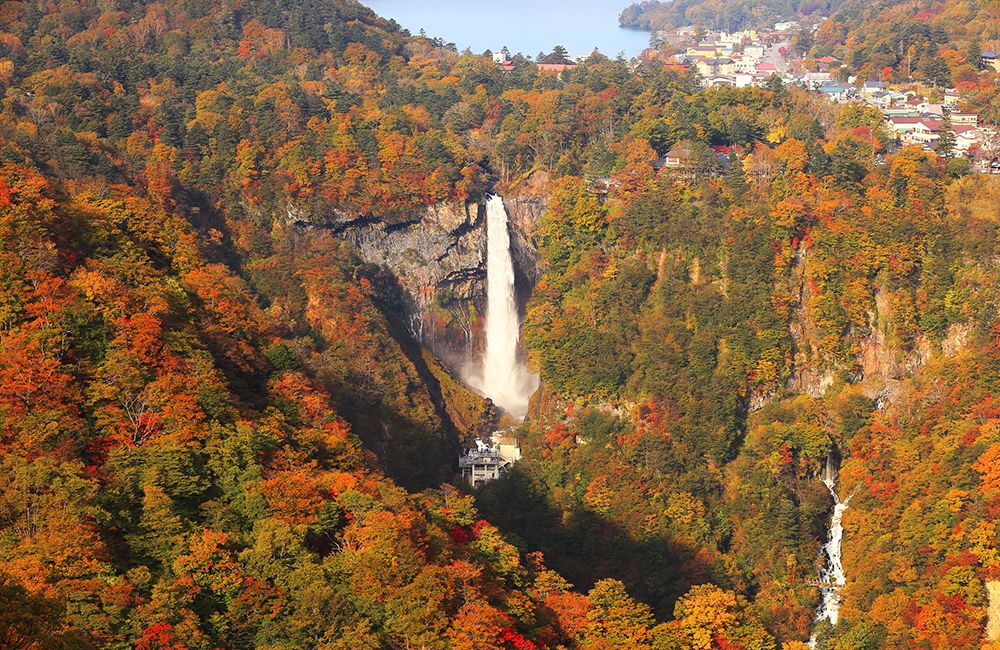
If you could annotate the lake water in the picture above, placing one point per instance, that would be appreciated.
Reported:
(526, 26)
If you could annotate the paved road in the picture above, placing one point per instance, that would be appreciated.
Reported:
(772, 55)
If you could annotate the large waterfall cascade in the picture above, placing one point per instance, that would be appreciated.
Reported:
(831, 576)
(504, 377)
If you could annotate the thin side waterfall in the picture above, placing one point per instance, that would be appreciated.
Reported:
(505, 379)
(831, 576)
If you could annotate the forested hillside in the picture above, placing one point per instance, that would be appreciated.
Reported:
(728, 15)
(939, 43)
(216, 430)
(713, 343)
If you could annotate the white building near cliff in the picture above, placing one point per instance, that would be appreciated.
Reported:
(488, 461)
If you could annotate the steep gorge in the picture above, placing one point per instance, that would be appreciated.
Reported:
(231, 271)
(431, 267)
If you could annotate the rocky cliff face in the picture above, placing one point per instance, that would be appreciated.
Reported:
(524, 211)
(441, 250)
(993, 611)
(880, 364)
(433, 266)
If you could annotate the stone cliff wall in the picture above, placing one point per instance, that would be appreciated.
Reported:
(432, 265)
(440, 249)
(880, 364)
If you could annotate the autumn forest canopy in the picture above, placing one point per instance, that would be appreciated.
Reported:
(217, 429)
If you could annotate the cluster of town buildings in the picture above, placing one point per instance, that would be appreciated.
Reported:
(755, 57)
(913, 119)
(744, 58)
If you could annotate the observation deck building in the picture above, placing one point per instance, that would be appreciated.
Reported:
(488, 462)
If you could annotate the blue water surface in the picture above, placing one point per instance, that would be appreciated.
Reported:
(526, 26)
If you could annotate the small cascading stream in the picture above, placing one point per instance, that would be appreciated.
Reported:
(831, 576)
(504, 377)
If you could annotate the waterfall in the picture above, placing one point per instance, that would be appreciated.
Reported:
(831, 576)
(504, 378)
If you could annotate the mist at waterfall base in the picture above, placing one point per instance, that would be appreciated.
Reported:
(502, 375)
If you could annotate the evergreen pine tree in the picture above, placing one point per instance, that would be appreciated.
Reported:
(946, 140)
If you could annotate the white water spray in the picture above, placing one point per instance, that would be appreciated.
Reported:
(831, 576)
(505, 380)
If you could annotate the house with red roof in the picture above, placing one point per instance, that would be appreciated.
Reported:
(824, 63)
(917, 130)
(974, 138)
(910, 124)
(724, 153)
